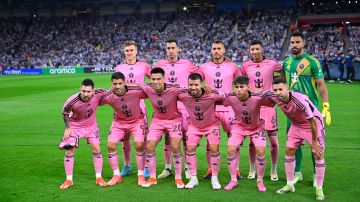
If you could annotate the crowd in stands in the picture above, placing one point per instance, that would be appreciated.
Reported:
(97, 40)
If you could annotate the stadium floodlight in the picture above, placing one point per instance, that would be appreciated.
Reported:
(184, 8)
(349, 2)
(336, 2)
(347, 22)
(313, 4)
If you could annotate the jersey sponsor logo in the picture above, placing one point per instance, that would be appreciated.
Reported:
(160, 108)
(294, 77)
(198, 114)
(89, 113)
(126, 111)
(245, 117)
(259, 82)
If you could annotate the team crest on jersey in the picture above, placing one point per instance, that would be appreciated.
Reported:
(131, 75)
(160, 102)
(217, 74)
(197, 108)
(124, 106)
(258, 74)
(172, 72)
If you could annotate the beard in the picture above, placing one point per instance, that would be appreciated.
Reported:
(296, 51)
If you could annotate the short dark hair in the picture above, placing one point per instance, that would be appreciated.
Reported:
(241, 80)
(256, 42)
(348, 51)
(195, 76)
(130, 43)
(279, 80)
(157, 70)
(118, 75)
(299, 34)
(172, 41)
(88, 82)
(219, 42)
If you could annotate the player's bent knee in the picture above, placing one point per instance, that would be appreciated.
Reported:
(139, 146)
(191, 148)
(214, 148)
(290, 151)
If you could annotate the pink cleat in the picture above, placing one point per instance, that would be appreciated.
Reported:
(261, 187)
(232, 184)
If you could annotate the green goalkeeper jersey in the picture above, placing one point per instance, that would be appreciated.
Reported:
(301, 74)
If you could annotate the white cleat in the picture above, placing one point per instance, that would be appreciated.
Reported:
(314, 181)
(215, 183)
(320, 194)
(192, 183)
(286, 189)
(298, 178)
(187, 173)
(165, 173)
(252, 174)
(274, 176)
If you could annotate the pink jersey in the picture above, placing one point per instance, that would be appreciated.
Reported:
(201, 110)
(177, 72)
(127, 107)
(247, 113)
(299, 109)
(82, 114)
(260, 74)
(164, 104)
(220, 77)
(135, 73)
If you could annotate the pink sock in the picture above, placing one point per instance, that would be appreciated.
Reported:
(252, 153)
(178, 165)
(113, 160)
(151, 163)
(319, 172)
(127, 151)
(191, 161)
(140, 160)
(215, 163)
(167, 154)
(208, 155)
(290, 167)
(260, 167)
(274, 147)
(233, 166)
(69, 164)
(98, 162)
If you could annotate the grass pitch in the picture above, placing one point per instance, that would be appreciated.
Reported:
(31, 165)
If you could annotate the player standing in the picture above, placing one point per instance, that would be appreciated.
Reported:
(304, 74)
(219, 74)
(202, 122)
(177, 71)
(166, 118)
(247, 107)
(128, 118)
(135, 72)
(79, 113)
(261, 73)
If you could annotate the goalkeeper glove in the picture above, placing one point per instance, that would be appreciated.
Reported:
(326, 113)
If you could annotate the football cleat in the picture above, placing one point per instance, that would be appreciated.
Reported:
(66, 184)
(127, 170)
(286, 189)
(114, 180)
(165, 173)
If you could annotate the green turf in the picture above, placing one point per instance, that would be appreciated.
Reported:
(31, 165)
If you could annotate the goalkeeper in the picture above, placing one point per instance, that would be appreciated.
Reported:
(304, 74)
